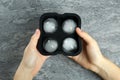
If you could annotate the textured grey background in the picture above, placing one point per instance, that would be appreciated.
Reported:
(19, 19)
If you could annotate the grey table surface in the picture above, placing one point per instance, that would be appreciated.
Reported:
(19, 19)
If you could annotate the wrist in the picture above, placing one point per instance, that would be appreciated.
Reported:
(96, 66)
(23, 73)
(101, 69)
(106, 69)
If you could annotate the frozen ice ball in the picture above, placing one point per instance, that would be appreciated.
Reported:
(69, 44)
(50, 45)
(50, 25)
(69, 26)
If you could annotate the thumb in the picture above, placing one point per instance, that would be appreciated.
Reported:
(85, 36)
(34, 38)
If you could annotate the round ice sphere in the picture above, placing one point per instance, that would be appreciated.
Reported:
(50, 45)
(50, 25)
(69, 26)
(69, 44)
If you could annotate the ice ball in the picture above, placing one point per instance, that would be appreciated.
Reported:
(69, 26)
(69, 44)
(50, 25)
(50, 45)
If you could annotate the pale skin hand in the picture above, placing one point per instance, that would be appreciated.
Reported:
(32, 60)
(92, 59)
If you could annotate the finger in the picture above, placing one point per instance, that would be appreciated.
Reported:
(34, 38)
(43, 57)
(70, 56)
(73, 57)
(85, 36)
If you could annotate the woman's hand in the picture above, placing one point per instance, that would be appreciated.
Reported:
(92, 59)
(32, 60)
(90, 54)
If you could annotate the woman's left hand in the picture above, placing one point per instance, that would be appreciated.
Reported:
(32, 60)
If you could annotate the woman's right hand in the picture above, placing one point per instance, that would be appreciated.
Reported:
(90, 55)
(91, 58)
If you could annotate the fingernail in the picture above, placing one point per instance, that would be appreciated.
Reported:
(79, 29)
(36, 31)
